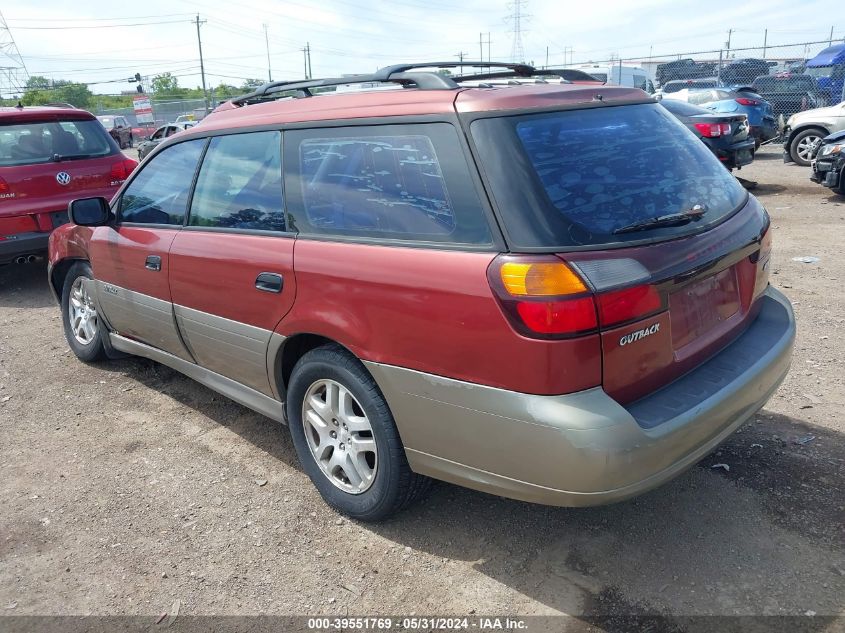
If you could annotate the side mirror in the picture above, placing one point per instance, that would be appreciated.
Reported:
(89, 211)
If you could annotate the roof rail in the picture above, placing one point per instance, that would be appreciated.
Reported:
(567, 74)
(398, 73)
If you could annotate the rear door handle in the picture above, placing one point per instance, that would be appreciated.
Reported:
(269, 282)
(153, 262)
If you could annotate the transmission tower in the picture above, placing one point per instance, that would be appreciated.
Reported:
(13, 73)
(517, 18)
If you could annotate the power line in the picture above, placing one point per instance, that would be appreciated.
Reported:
(133, 17)
(97, 26)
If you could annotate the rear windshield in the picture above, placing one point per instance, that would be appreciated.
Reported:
(570, 179)
(41, 142)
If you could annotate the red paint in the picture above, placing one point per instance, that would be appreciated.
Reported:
(32, 192)
(705, 312)
(118, 257)
(216, 272)
(432, 311)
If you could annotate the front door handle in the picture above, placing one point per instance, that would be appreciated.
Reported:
(153, 262)
(269, 282)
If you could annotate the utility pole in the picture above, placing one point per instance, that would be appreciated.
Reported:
(306, 60)
(488, 47)
(481, 47)
(547, 57)
(830, 43)
(267, 42)
(728, 44)
(765, 41)
(202, 66)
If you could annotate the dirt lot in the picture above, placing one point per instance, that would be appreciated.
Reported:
(125, 487)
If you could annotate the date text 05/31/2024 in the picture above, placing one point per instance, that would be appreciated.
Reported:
(417, 623)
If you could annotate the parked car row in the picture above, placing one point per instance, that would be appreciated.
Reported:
(760, 114)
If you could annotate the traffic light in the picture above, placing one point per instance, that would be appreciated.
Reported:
(138, 77)
(139, 88)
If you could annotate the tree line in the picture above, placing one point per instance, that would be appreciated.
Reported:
(40, 90)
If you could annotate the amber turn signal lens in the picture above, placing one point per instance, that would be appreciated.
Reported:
(540, 279)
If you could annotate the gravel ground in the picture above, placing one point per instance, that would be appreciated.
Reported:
(125, 486)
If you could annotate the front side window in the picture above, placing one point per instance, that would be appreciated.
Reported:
(159, 193)
(400, 182)
(240, 184)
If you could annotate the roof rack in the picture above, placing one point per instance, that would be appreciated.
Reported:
(398, 73)
(567, 74)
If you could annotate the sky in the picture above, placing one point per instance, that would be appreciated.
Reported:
(103, 43)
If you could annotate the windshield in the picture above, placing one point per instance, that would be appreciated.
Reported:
(41, 142)
(782, 85)
(819, 71)
(569, 179)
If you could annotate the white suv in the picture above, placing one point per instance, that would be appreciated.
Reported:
(805, 130)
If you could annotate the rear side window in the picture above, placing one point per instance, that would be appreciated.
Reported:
(569, 179)
(40, 142)
(399, 182)
(159, 193)
(240, 183)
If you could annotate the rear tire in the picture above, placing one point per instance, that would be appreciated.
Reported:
(131, 142)
(329, 388)
(82, 326)
(802, 145)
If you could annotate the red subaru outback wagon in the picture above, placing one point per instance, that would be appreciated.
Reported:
(48, 157)
(553, 293)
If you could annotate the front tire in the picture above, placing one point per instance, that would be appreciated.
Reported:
(803, 145)
(82, 326)
(131, 141)
(346, 439)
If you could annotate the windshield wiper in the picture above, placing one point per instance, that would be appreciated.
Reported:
(60, 157)
(672, 219)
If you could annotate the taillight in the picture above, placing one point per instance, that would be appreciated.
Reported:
(122, 169)
(4, 186)
(628, 304)
(713, 130)
(747, 102)
(542, 296)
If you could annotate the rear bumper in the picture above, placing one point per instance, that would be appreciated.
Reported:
(20, 244)
(765, 132)
(585, 448)
(736, 155)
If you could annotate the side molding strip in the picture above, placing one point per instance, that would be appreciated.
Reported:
(265, 405)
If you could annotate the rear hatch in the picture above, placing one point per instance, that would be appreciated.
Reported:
(672, 252)
(47, 161)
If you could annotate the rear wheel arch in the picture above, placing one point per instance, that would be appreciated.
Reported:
(294, 348)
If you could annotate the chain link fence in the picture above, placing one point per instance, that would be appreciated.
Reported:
(785, 75)
(165, 110)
